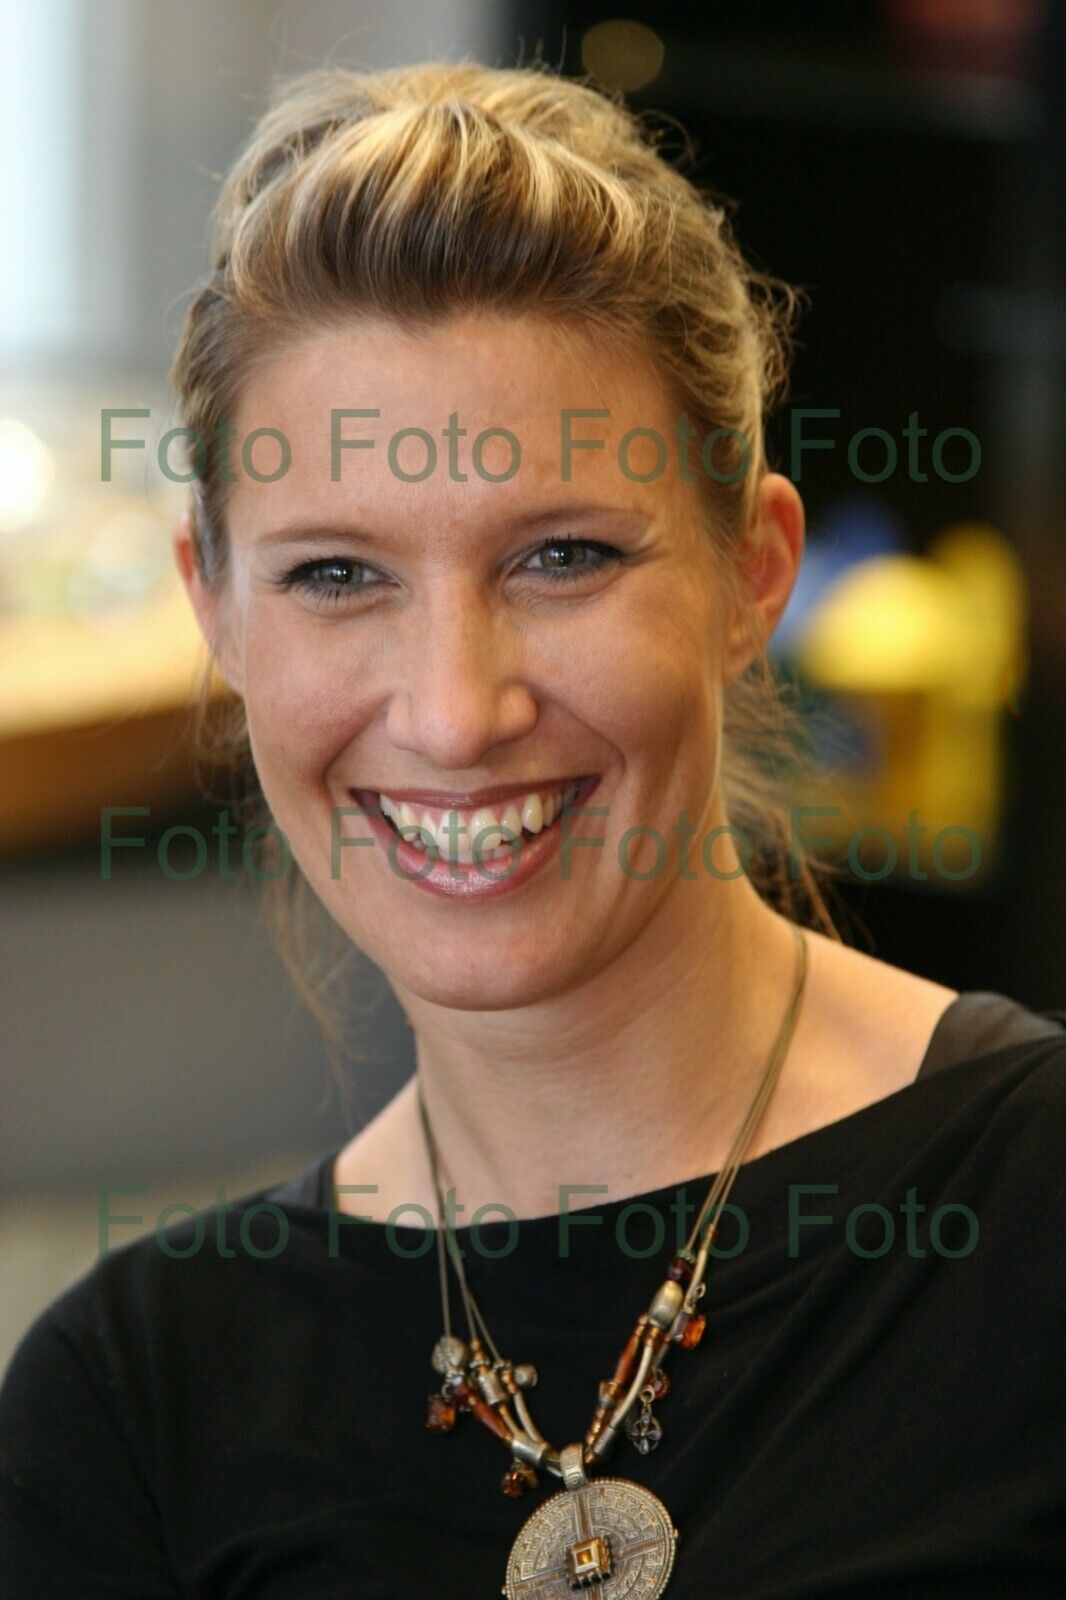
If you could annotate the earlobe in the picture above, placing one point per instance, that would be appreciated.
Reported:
(767, 566)
(744, 635)
(777, 536)
(184, 555)
(206, 605)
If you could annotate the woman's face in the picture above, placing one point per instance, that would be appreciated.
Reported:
(391, 635)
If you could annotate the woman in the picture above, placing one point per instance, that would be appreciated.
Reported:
(484, 538)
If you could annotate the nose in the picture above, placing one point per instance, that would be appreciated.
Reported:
(459, 690)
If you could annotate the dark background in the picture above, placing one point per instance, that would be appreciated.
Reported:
(909, 175)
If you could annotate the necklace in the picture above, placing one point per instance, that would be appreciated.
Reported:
(604, 1527)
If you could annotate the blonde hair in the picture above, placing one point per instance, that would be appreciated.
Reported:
(422, 190)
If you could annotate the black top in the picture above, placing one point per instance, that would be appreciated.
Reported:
(234, 1407)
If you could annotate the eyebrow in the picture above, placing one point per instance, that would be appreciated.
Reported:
(529, 521)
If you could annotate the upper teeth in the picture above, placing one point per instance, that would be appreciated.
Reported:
(494, 828)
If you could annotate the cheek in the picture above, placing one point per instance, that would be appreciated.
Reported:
(300, 712)
(663, 679)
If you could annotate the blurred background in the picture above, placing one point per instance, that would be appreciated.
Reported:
(903, 161)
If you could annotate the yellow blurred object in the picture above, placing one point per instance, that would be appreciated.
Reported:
(622, 54)
(924, 655)
(996, 602)
(889, 624)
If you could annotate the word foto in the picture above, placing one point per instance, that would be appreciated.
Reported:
(494, 454)
(868, 1230)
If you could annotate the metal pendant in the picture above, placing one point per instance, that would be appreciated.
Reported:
(591, 1532)
(644, 1429)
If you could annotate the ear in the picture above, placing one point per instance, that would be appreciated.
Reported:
(210, 611)
(767, 566)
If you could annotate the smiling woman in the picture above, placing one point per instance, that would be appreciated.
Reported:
(452, 620)
(512, 682)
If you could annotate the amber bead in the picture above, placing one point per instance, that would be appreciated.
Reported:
(490, 1418)
(692, 1330)
(660, 1384)
(440, 1414)
(625, 1361)
(517, 1479)
(680, 1271)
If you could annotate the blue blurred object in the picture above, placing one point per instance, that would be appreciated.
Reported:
(849, 531)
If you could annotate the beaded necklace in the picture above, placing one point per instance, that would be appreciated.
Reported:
(597, 1528)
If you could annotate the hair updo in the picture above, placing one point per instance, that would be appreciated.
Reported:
(423, 190)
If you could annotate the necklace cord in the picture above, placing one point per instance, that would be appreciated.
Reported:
(714, 1202)
(724, 1180)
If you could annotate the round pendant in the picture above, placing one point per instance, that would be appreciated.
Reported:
(609, 1529)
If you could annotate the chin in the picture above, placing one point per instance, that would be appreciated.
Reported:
(496, 986)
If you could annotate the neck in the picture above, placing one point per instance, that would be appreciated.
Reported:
(639, 1080)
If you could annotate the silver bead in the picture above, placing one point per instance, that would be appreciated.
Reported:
(667, 1303)
(491, 1388)
(525, 1375)
(449, 1354)
(524, 1449)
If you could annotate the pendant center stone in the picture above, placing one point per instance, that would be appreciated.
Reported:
(589, 1561)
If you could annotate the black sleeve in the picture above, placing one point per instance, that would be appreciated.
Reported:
(77, 1519)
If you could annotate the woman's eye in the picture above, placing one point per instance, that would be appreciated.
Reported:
(560, 558)
(329, 579)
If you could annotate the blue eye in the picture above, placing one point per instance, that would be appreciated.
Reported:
(338, 583)
(566, 568)
(331, 579)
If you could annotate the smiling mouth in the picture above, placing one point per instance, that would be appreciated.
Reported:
(454, 833)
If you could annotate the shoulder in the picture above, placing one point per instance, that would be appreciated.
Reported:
(996, 1073)
(991, 1129)
(863, 1030)
(888, 1025)
(1003, 1115)
(141, 1303)
(860, 987)
(1029, 1120)
(79, 1507)
(870, 1032)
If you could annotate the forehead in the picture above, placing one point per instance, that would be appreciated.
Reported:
(467, 375)
(494, 363)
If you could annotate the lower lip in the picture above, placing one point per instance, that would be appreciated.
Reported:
(460, 880)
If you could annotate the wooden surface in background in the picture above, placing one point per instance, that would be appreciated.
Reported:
(93, 714)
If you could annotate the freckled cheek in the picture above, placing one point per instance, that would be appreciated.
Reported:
(302, 713)
(661, 709)
(657, 672)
